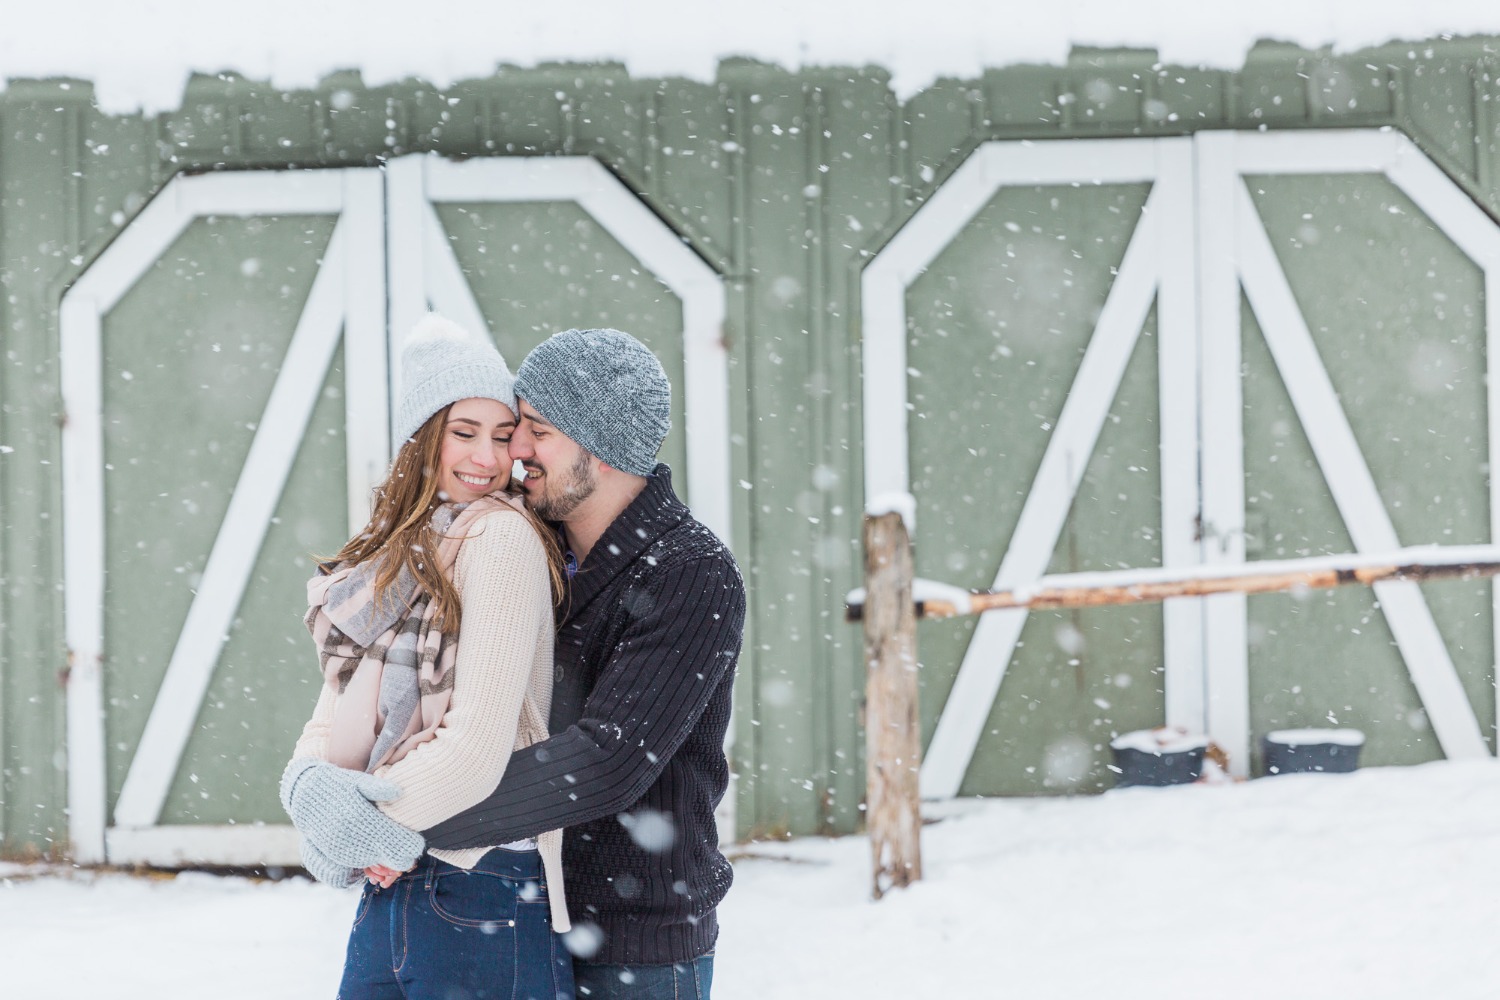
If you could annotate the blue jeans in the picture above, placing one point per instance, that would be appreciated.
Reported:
(678, 981)
(440, 932)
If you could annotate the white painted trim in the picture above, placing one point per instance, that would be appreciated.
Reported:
(705, 394)
(1492, 401)
(134, 251)
(230, 844)
(406, 278)
(1178, 404)
(185, 198)
(83, 571)
(1075, 162)
(262, 192)
(1314, 151)
(1449, 208)
(366, 343)
(1226, 651)
(887, 448)
(514, 178)
(883, 287)
(1047, 504)
(1354, 491)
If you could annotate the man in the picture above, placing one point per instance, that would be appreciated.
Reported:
(649, 632)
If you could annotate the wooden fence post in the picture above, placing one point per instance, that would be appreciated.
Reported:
(893, 745)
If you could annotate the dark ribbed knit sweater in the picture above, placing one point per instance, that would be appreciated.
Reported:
(648, 638)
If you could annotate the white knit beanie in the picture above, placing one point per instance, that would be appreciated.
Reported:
(441, 363)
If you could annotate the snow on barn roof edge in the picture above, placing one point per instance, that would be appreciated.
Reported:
(140, 57)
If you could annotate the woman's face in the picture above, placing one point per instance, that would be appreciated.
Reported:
(473, 461)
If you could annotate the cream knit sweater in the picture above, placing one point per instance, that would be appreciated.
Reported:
(502, 693)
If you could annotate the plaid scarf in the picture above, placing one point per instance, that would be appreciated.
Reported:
(389, 661)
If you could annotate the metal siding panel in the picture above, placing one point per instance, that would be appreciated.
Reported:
(1024, 97)
(940, 133)
(784, 292)
(686, 139)
(36, 126)
(857, 196)
(1189, 97)
(1107, 91)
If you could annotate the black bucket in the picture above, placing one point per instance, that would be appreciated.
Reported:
(1141, 760)
(1300, 751)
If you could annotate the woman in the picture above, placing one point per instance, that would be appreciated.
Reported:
(434, 627)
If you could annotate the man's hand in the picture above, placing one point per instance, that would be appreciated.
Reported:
(334, 808)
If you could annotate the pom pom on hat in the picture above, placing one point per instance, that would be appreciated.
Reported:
(441, 363)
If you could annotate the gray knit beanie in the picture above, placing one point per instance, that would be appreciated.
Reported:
(605, 390)
(442, 363)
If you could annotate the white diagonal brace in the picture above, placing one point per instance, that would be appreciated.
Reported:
(232, 559)
(1047, 505)
(447, 288)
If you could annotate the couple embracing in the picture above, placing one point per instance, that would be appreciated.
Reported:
(518, 744)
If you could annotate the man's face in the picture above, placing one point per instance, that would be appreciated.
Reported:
(560, 475)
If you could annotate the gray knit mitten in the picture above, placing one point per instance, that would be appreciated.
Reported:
(328, 872)
(334, 809)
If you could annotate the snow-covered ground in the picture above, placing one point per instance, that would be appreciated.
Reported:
(1384, 883)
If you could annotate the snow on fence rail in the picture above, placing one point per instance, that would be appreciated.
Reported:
(1419, 564)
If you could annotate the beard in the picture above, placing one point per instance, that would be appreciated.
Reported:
(561, 495)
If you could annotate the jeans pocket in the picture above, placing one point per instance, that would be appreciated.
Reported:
(474, 899)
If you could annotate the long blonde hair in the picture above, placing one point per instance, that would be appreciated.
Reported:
(400, 531)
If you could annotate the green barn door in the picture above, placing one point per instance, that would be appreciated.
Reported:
(1351, 310)
(1016, 332)
(228, 375)
(228, 366)
(209, 356)
(1098, 355)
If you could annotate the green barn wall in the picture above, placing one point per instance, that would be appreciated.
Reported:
(786, 183)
